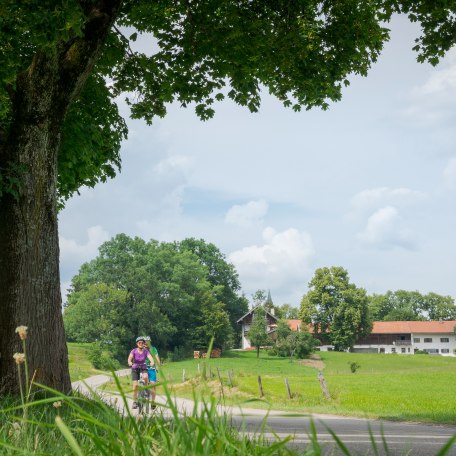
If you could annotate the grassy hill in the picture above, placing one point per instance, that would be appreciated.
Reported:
(80, 366)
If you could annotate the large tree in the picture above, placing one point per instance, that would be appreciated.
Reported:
(336, 308)
(63, 63)
(160, 289)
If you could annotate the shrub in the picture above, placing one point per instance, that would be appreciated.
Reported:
(102, 359)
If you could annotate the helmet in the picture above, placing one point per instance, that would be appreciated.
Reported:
(140, 338)
(147, 338)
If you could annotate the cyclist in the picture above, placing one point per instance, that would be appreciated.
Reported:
(152, 369)
(137, 362)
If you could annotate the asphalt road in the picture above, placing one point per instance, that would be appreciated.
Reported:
(401, 438)
(392, 438)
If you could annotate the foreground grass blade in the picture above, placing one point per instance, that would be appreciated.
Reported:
(69, 437)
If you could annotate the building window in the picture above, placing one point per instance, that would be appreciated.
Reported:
(393, 350)
(431, 350)
(382, 350)
(427, 340)
(403, 350)
(416, 340)
(445, 350)
(444, 339)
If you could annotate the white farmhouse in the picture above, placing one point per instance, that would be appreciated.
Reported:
(407, 337)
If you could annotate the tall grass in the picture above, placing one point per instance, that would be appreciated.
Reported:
(50, 423)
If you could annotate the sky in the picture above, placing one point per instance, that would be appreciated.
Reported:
(369, 185)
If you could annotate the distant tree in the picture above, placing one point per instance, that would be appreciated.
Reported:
(215, 323)
(411, 305)
(287, 311)
(167, 295)
(222, 276)
(257, 334)
(259, 297)
(336, 308)
(290, 343)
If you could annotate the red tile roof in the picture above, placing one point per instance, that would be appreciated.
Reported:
(294, 325)
(397, 327)
(407, 327)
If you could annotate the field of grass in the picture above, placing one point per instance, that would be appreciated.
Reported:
(393, 387)
(80, 366)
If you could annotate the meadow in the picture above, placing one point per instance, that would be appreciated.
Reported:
(418, 388)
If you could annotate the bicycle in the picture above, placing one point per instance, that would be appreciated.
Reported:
(143, 397)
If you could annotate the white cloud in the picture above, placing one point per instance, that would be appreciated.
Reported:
(431, 103)
(373, 198)
(247, 214)
(281, 263)
(174, 163)
(449, 174)
(96, 235)
(384, 229)
(72, 254)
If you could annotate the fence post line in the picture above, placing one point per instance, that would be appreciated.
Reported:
(261, 386)
(288, 388)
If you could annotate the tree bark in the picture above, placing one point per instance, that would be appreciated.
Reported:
(29, 243)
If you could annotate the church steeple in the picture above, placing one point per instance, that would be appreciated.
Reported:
(268, 305)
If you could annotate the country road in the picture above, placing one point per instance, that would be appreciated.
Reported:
(401, 438)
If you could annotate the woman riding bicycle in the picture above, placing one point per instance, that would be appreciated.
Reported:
(137, 361)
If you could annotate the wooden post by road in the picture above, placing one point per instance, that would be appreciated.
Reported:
(323, 385)
(288, 388)
(261, 386)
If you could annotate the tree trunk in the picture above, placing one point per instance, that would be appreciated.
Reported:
(29, 243)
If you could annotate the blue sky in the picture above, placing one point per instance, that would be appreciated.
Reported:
(369, 185)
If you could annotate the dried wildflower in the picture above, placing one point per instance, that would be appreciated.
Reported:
(57, 404)
(19, 358)
(15, 430)
(22, 331)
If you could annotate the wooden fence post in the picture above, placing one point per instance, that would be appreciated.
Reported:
(230, 379)
(261, 386)
(323, 385)
(221, 383)
(288, 388)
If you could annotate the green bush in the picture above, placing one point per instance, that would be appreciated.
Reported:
(102, 359)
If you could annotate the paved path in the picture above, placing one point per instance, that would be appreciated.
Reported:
(402, 438)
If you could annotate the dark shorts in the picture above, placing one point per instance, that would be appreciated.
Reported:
(135, 373)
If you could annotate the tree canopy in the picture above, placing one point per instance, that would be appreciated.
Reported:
(63, 65)
(336, 308)
(161, 289)
(411, 305)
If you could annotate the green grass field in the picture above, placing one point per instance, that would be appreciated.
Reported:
(392, 387)
(80, 366)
